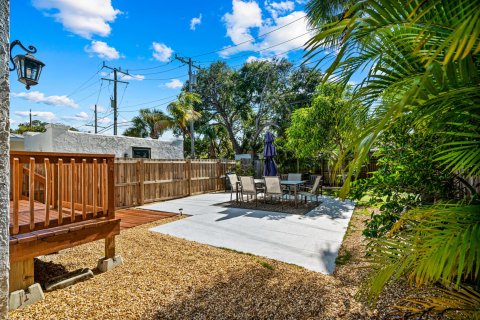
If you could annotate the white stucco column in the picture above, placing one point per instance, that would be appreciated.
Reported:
(4, 154)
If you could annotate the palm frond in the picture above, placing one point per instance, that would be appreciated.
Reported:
(428, 245)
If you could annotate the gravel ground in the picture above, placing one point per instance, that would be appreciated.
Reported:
(164, 277)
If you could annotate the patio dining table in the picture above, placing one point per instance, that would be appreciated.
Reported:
(295, 184)
(291, 183)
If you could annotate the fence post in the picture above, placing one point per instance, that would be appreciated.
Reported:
(189, 176)
(218, 182)
(141, 182)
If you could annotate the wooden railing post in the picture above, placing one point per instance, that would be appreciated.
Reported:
(16, 189)
(72, 189)
(104, 187)
(141, 182)
(84, 188)
(111, 187)
(95, 186)
(31, 192)
(59, 188)
(110, 241)
(48, 185)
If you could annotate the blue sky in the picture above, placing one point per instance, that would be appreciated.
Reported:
(74, 37)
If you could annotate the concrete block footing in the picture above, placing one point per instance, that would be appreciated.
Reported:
(68, 279)
(22, 298)
(106, 264)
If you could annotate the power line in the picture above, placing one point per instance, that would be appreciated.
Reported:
(151, 68)
(163, 79)
(148, 102)
(250, 40)
(264, 49)
(225, 48)
(158, 105)
(85, 82)
(159, 72)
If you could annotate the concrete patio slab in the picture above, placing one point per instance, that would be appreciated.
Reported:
(311, 241)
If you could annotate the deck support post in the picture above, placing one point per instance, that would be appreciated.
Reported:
(21, 274)
(23, 290)
(110, 247)
(110, 260)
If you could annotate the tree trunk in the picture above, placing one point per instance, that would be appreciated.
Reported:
(236, 147)
(4, 155)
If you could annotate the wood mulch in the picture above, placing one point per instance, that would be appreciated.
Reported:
(164, 277)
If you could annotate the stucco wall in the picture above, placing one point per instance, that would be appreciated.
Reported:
(4, 154)
(59, 139)
(16, 145)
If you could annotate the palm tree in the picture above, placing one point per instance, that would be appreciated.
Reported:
(422, 59)
(181, 113)
(145, 124)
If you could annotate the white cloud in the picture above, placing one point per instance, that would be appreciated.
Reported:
(161, 52)
(81, 116)
(43, 115)
(84, 18)
(278, 8)
(99, 108)
(137, 77)
(245, 16)
(245, 21)
(253, 58)
(174, 84)
(195, 21)
(298, 30)
(37, 96)
(102, 50)
(104, 120)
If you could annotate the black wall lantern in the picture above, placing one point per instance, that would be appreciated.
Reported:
(28, 68)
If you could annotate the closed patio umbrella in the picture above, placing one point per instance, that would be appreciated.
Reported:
(270, 168)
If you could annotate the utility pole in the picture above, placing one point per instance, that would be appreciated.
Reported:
(115, 101)
(30, 119)
(190, 80)
(96, 115)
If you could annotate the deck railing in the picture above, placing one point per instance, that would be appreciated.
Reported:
(53, 189)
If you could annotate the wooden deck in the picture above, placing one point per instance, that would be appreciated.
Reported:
(129, 217)
(40, 216)
(135, 217)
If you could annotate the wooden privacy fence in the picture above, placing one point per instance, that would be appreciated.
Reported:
(140, 181)
(53, 189)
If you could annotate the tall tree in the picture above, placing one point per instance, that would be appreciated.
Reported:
(327, 126)
(247, 101)
(4, 155)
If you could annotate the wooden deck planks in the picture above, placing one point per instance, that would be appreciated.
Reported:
(134, 217)
(129, 217)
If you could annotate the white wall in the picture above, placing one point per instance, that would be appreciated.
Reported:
(58, 138)
(4, 155)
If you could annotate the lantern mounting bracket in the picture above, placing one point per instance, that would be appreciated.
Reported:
(31, 49)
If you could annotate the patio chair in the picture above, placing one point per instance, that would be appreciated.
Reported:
(233, 179)
(313, 191)
(274, 188)
(249, 188)
(294, 177)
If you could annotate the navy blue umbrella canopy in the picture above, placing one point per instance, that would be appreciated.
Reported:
(270, 168)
